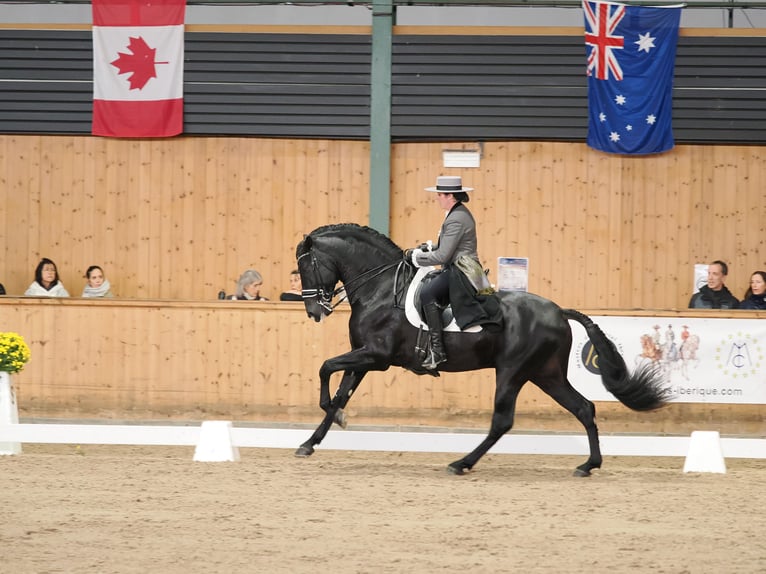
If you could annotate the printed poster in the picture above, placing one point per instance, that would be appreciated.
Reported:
(512, 274)
(700, 360)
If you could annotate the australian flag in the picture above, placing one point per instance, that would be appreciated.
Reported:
(631, 53)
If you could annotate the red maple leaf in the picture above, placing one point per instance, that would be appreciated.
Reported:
(140, 61)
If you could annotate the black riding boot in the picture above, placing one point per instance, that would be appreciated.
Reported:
(434, 320)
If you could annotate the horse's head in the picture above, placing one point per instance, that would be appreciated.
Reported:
(318, 278)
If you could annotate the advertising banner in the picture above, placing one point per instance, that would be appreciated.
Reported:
(701, 360)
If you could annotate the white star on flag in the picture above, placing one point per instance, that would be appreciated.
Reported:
(602, 117)
(650, 119)
(620, 100)
(614, 136)
(645, 42)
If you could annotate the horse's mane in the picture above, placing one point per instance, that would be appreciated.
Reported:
(349, 230)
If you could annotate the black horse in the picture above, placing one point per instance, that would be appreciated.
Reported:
(533, 345)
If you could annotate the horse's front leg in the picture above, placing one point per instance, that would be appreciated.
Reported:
(355, 365)
(333, 412)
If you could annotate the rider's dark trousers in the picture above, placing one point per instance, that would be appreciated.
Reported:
(437, 290)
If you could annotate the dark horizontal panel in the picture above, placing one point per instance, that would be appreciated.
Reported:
(519, 110)
(232, 101)
(449, 133)
(733, 85)
(340, 113)
(278, 131)
(286, 41)
(459, 42)
(234, 70)
(45, 91)
(485, 106)
(13, 107)
(468, 91)
(475, 121)
(264, 58)
(58, 54)
(285, 78)
(225, 118)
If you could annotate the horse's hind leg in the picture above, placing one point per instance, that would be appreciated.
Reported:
(506, 391)
(559, 388)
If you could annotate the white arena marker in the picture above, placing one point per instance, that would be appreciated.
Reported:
(705, 453)
(215, 444)
(9, 413)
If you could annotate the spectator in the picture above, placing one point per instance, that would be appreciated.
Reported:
(46, 283)
(249, 287)
(755, 296)
(714, 295)
(97, 285)
(294, 293)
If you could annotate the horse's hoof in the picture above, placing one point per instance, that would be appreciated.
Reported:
(304, 451)
(457, 469)
(581, 472)
(340, 419)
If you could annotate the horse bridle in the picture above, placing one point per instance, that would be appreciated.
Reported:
(324, 297)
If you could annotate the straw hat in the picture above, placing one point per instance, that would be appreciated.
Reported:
(449, 184)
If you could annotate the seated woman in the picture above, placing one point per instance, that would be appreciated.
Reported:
(249, 287)
(97, 285)
(294, 294)
(46, 283)
(755, 296)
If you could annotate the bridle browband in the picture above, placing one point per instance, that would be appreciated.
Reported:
(324, 298)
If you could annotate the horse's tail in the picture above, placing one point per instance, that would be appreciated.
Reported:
(642, 390)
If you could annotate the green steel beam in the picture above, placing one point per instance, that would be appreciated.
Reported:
(380, 115)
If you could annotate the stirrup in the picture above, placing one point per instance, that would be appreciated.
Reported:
(430, 363)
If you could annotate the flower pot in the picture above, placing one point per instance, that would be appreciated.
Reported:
(9, 412)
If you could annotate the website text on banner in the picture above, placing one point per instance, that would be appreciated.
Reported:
(138, 55)
(702, 360)
(631, 54)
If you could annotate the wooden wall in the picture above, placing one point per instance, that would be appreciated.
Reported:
(175, 218)
(601, 231)
(180, 218)
(259, 362)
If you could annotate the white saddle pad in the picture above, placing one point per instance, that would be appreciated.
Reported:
(412, 314)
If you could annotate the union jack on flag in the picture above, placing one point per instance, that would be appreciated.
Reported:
(631, 54)
(602, 21)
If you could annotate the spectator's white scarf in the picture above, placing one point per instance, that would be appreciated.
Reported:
(37, 290)
(102, 291)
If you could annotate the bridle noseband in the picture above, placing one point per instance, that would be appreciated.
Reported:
(323, 297)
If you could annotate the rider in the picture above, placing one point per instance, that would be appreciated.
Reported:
(457, 237)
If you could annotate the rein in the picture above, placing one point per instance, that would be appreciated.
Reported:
(324, 298)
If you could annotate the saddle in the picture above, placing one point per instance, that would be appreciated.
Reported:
(413, 307)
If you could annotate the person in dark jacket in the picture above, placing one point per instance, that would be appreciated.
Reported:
(714, 295)
(457, 238)
(755, 296)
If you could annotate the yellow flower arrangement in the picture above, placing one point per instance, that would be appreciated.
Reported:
(14, 352)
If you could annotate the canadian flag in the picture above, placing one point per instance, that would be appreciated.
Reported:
(138, 54)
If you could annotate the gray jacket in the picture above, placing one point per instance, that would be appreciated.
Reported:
(457, 237)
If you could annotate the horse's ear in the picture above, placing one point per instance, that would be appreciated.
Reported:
(303, 246)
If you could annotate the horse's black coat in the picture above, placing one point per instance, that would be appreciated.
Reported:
(534, 344)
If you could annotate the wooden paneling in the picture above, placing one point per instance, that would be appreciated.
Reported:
(259, 362)
(177, 218)
(601, 231)
(181, 218)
